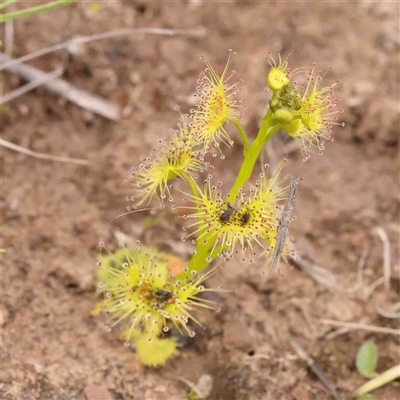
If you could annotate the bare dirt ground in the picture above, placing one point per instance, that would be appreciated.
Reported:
(55, 214)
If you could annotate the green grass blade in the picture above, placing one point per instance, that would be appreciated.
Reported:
(7, 3)
(34, 10)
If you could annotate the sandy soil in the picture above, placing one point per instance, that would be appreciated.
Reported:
(55, 214)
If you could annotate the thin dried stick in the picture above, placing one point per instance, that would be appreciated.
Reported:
(360, 271)
(9, 34)
(86, 100)
(197, 32)
(386, 256)
(355, 325)
(298, 348)
(371, 288)
(342, 330)
(56, 73)
(23, 150)
(284, 222)
(387, 314)
(393, 312)
(327, 279)
(319, 274)
(395, 307)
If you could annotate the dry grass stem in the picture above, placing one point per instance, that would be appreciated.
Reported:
(284, 221)
(298, 348)
(371, 288)
(325, 278)
(83, 99)
(386, 256)
(355, 325)
(9, 35)
(343, 330)
(32, 85)
(197, 32)
(392, 313)
(19, 149)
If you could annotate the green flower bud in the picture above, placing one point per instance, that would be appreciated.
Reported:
(274, 104)
(283, 116)
(293, 128)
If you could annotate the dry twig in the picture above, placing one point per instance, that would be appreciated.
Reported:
(393, 312)
(19, 149)
(298, 348)
(324, 277)
(343, 330)
(371, 288)
(284, 222)
(386, 256)
(32, 85)
(197, 32)
(93, 103)
(86, 100)
(9, 35)
(355, 325)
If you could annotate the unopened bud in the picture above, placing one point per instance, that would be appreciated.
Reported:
(292, 128)
(274, 104)
(283, 116)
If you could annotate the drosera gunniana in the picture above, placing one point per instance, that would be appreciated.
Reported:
(142, 291)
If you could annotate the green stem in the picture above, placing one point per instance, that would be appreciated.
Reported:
(189, 180)
(199, 261)
(193, 188)
(243, 136)
(251, 153)
(382, 379)
(7, 3)
(34, 10)
(264, 134)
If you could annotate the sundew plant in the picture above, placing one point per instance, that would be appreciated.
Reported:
(146, 293)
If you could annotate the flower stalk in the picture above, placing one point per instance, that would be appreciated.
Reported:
(380, 380)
